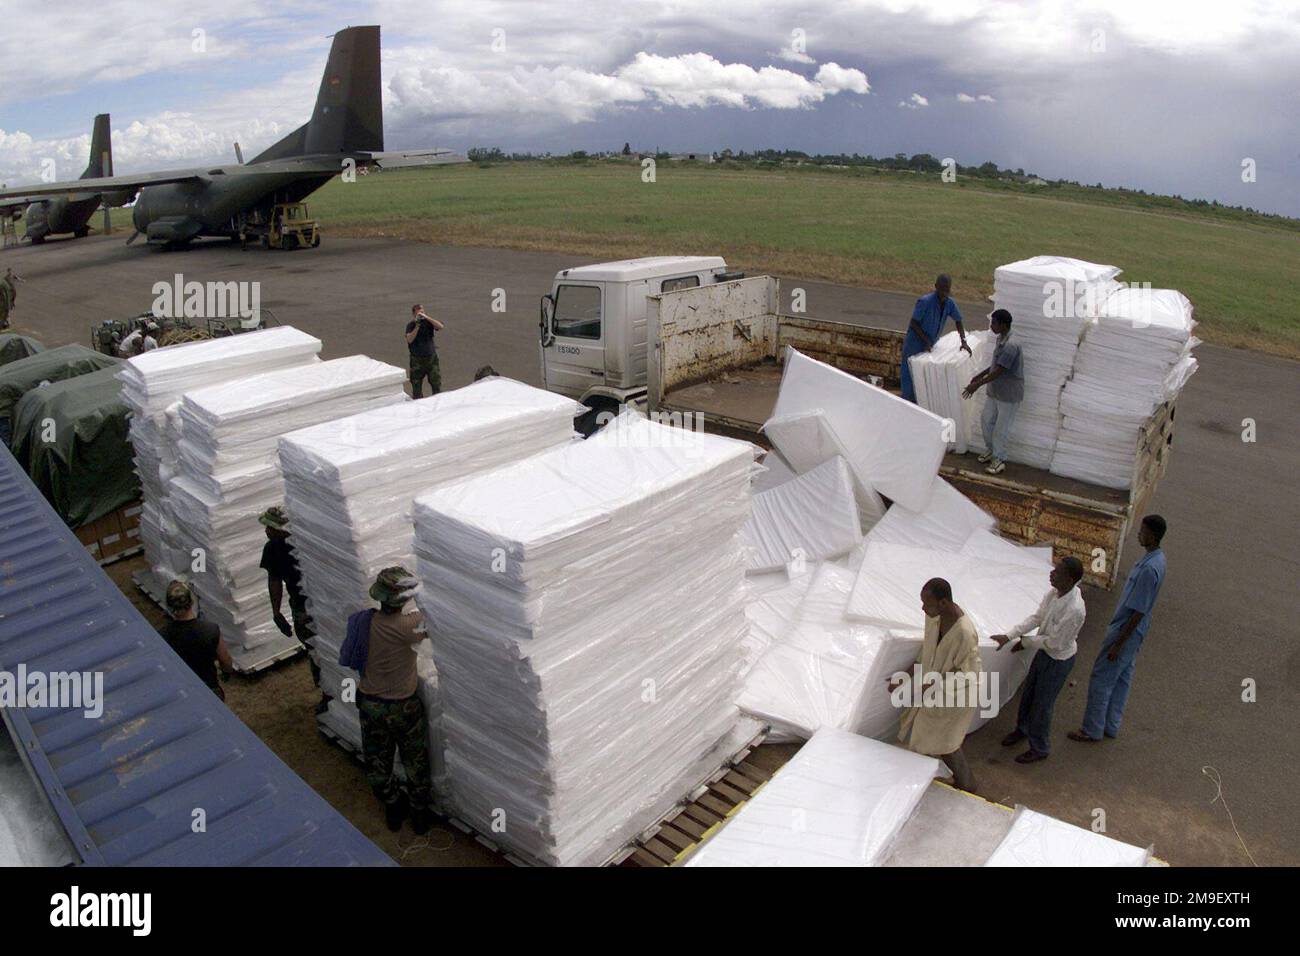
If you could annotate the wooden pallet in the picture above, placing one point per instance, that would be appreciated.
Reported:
(339, 741)
(679, 830)
(676, 837)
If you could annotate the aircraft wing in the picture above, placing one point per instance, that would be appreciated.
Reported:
(102, 184)
(13, 204)
(393, 159)
(332, 163)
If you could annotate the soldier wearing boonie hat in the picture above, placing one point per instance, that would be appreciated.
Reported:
(282, 574)
(392, 714)
(197, 642)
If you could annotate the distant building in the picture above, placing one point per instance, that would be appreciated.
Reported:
(692, 157)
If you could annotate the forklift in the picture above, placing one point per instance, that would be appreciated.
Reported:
(288, 226)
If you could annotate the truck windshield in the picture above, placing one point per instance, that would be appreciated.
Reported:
(577, 312)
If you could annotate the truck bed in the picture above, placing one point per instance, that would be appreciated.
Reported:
(713, 363)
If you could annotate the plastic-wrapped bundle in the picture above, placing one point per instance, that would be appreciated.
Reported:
(771, 602)
(1051, 299)
(942, 373)
(997, 582)
(892, 446)
(840, 801)
(154, 382)
(349, 486)
(587, 613)
(1134, 357)
(947, 523)
(1036, 839)
(811, 517)
(814, 674)
(228, 472)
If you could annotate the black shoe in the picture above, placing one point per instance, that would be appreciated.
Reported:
(394, 814)
(421, 820)
(1013, 738)
(1031, 756)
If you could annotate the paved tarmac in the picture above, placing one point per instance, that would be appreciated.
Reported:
(1227, 614)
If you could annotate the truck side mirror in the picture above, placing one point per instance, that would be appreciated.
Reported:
(547, 312)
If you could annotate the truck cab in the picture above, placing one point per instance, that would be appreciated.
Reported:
(593, 324)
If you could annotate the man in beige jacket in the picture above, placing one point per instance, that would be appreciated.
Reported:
(945, 693)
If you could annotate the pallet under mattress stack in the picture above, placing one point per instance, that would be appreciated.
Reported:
(586, 609)
(228, 472)
(154, 382)
(349, 486)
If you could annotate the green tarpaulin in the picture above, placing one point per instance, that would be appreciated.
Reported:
(52, 365)
(71, 437)
(14, 347)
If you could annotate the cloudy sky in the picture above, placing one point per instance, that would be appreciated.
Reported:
(1171, 96)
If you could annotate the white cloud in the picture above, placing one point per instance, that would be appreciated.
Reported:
(914, 102)
(982, 98)
(836, 78)
(690, 80)
(791, 55)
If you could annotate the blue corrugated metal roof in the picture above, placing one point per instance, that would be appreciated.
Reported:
(125, 784)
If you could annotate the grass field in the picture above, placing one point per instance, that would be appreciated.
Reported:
(878, 230)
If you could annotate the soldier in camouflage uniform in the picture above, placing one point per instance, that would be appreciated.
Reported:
(8, 296)
(392, 714)
(424, 354)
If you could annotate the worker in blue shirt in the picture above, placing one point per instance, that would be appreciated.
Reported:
(928, 318)
(1113, 671)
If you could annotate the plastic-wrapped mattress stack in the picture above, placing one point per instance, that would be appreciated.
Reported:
(587, 614)
(1136, 355)
(228, 471)
(1051, 299)
(349, 486)
(942, 373)
(154, 382)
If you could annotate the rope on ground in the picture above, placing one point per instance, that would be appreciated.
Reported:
(426, 843)
(1217, 780)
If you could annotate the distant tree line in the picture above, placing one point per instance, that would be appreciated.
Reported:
(917, 163)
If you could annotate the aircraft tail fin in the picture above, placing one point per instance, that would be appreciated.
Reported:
(349, 115)
(101, 150)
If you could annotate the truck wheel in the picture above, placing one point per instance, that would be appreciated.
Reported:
(598, 413)
(315, 240)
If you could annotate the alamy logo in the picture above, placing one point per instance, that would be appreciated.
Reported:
(936, 689)
(76, 690)
(75, 908)
(179, 299)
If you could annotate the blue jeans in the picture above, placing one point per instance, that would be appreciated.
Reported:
(1046, 677)
(907, 390)
(996, 422)
(1108, 688)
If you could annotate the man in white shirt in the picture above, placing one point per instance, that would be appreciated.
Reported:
(1059, 619)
